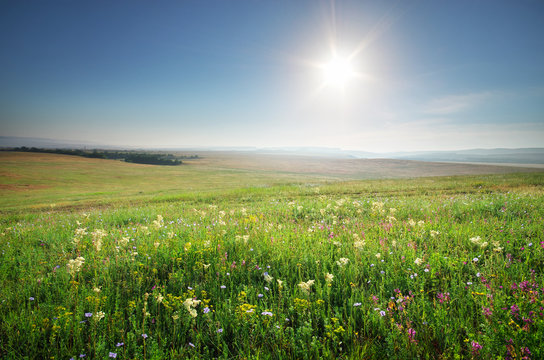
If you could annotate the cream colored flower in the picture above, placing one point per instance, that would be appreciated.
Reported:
(305, 286)
(329, 277)
(190, 304)
(160, 298)
(75, 265)
(159, 222)
(418, 261)
(342, 261)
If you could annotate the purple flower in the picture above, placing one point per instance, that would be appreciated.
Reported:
(88, 314)
(475, 347)
(144, 336)
(220, 330)
(191, 344)
(382, 313)
(223, 287)
(357, 304)
(268, 313)
(206, 310)
(119, 344)
(113, 355)
(260, 295)
(82, 355)
(31, 298)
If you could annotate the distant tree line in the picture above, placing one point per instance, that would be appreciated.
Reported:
(128, 156)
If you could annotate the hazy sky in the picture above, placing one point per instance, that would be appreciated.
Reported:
(425, 75)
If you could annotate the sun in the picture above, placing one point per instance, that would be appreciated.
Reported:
(337, 72)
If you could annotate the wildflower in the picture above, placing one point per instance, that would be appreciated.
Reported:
(112, 355)
(267, 277)
(31, 298)
(357, 304)
(280, 283)
(443, 297)
(342, 261)
(160, 298)
(382, 313)
(329, 277)
(88, 314)
(119, 344)
(144, 336)
(434, 233)
(74, 265)
(159, 222)
(206, 266)
(418, 261)
(475, 259)
(359, 244)
(99, 315)
(96, 289)
(260, 295)
(378, 255)
(98, 235)
(220, 330)
(206, 310)
(267, 313)
(305, 286)
(412, 335)
(223, 287)
(190, 304)
(191, 344)
(475, 348)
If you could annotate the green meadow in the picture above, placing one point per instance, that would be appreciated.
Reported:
(232, 258)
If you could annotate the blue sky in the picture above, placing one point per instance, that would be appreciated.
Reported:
(427, 75)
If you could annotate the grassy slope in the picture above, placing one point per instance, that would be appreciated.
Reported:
(47, 318)
(38, 181)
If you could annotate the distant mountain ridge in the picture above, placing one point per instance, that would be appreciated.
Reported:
(498, 155)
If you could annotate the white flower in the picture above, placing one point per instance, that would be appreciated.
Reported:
(190, 304)
(329, 277)
(99, 316)
(160, 298)
(359, 244)
(378, 255)
(159, 222)
(434, 233)
(268, 278)
(475, 240)
(75, 265)
(305, 286)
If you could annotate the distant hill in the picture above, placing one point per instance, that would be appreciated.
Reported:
(509, 156)
(497, 156)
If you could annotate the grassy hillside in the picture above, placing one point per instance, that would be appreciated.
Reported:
(39, 181)
(256, 265)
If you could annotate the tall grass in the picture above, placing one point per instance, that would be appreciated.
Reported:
(354, 270)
